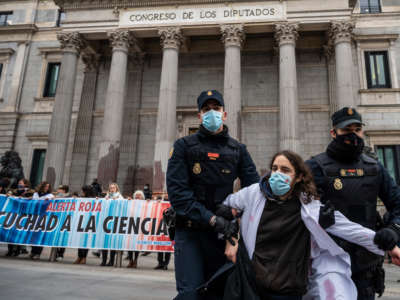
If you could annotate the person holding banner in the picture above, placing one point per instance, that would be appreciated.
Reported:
(112, 194)
(43, 192)
(201, 171)
(23, 190)
(138, 195)
(86, 192)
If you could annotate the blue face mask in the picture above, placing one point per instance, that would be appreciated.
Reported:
(279, 183)
(212, 120)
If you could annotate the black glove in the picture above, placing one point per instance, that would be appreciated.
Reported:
(326, 215)
(229, 229)
(386, 239)
(225, 212)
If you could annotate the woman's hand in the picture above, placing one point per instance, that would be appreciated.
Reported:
(395, 254)
(231, 251)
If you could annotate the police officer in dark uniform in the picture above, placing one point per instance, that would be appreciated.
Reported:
(352, 181)
(201, 171)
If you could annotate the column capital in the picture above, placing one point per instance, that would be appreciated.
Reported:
(71, 42)
(171, 37)
(286, 33)
(328, 51)
(91, 61)
(121, 40)
(233, 35)
(341, 31)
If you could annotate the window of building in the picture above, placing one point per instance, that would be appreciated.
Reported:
(60, 17)
(6, 18)
(53, 70)
(376, 63)
(37, 166)
(370, 6)
(389, 156)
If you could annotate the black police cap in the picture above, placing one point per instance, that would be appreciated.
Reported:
(209, 95)
(345, 117)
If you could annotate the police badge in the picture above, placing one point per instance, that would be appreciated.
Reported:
(196, 168)
(338, 185)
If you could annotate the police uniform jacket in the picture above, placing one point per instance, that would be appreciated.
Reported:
(360, 181)
(201, 171)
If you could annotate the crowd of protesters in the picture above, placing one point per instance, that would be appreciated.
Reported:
(44, 191)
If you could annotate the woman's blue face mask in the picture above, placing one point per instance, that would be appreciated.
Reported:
(280, 183)
(212, 120)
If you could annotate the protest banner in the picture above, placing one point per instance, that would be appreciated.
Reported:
(85, 223)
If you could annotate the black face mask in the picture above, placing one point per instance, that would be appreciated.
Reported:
(340, 150)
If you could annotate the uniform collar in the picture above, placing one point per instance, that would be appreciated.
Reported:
(206, 134)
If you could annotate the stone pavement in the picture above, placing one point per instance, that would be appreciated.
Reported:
(22, 278)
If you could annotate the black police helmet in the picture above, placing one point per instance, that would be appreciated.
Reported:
(345, 117)
(209, 95)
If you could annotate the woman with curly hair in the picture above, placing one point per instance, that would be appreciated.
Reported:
(284, 232)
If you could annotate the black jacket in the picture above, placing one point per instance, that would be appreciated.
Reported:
(233, 281)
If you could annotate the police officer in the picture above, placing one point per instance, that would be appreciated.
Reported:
(352, 181)
(201, 171)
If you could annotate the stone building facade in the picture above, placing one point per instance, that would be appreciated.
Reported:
(96, 88)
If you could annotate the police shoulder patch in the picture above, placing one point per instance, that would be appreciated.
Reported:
(171, 152)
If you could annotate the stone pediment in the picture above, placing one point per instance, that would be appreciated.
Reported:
(86, 4)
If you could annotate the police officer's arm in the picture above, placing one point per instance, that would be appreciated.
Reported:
(247, 170)
(180, 193)
(389, 193)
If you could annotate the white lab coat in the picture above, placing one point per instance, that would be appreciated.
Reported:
(330, 274)
(48, 196)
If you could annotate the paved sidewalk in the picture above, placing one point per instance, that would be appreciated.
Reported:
(23, 278)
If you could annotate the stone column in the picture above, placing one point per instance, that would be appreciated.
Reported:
(286, 36)
(114, 108)
(233, 37)
(84, 122)
(71, 43)
(171, 41)
(17, 77)
(340, 35)
(331, 66)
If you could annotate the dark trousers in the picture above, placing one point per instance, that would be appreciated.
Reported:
(198, 255)
(104, 254)
(82, 253)
(130, 255)
(60, 252)
(163, 258)
(36, 250)
(14, 250)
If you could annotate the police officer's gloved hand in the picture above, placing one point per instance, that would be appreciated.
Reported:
(327, 215)
(225, 212)
(386, 239)
(229, 229)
